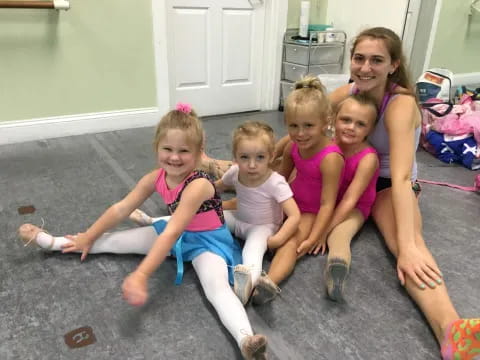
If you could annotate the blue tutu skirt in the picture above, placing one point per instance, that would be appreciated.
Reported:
(193, 243)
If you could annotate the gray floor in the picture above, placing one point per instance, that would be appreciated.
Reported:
(70, 181)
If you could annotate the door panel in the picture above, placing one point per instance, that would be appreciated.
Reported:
(237, 45)
(190, 73)
(215, 54)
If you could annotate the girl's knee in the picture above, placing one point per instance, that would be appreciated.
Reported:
(290, 246)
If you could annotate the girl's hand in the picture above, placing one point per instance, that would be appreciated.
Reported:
(78, 243)
(421, 269)
(321, 246)
(274, 242)
(135, 289)
(313, 247)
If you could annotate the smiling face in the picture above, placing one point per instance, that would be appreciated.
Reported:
(354, 121)
(177, 154)
(370, 65)
(253, 157)
(305, 129)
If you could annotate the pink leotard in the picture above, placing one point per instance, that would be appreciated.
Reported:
(365, 202)
(307, 185)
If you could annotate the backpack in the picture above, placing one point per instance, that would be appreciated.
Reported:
(435, 83)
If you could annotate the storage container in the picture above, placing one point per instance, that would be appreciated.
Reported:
(320, 54)
(295, 72)
(287, 88)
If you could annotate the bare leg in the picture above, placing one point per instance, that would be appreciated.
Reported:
(340, 237)
(434, 303)
(339, 254)
(285, 257)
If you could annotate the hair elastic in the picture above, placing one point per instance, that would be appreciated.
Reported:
(184, 107)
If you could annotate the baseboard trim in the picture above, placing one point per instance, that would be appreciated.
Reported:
(59, 126)
(466, 79)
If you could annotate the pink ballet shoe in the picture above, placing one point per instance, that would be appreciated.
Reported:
(140, 218)
(254, 347)
(28, 234)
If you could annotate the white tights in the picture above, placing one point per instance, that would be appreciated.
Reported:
(211, 269)
(255, 237)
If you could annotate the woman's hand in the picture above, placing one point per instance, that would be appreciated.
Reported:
(79, 243)
(135, 288)
(421, 269)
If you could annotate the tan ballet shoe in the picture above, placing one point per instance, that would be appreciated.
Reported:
(265, 291)
(28, 234)
(254, 347)
(140, 218)
(242, 283)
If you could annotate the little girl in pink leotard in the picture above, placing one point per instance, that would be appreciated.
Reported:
(355, 119)
(319, 166)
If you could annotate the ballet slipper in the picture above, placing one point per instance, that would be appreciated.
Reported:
(140, 218)
(242, 283)
(336, 273)
(265, 291)
(254, 347)
(28, 234)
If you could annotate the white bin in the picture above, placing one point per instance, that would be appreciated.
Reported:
(319, 55)
(294, 72)
(287, 88)
(334, 81)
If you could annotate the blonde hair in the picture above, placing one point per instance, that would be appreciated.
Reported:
(187, 122)
(362, 99)
(309, 93)
(394, 47)
(254, 130)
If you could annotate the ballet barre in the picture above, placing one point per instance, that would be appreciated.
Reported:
(52, 4)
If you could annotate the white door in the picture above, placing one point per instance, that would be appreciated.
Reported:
(215, 54)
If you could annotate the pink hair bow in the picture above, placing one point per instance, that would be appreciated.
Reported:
(184, 107)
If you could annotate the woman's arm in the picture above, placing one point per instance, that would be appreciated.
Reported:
(113, 215)
(401, 118)
(331, 169)
(289, 226)
(363, 175)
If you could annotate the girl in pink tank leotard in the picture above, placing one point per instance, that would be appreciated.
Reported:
(355, 119)
(319, 166)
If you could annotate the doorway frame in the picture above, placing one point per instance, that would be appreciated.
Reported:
(276, 12)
